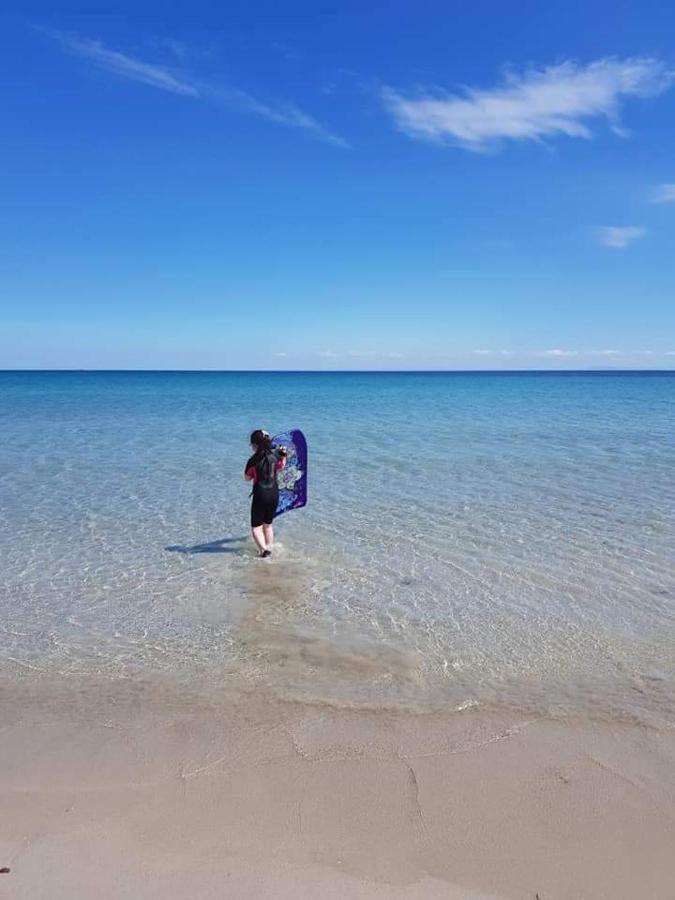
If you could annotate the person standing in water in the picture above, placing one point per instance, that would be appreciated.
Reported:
(262, 469)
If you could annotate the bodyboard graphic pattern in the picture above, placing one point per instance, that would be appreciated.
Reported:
(292, 478)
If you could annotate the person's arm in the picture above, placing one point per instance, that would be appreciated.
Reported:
(281, 458)
(249, 471)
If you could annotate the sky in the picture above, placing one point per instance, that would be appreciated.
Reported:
(428, 185)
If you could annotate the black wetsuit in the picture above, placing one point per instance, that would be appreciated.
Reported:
(263, 467)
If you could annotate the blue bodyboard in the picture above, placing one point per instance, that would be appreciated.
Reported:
(292, 478)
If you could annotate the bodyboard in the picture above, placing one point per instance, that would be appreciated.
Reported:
(292, 478)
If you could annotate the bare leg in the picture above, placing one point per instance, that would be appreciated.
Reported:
(268, 531)
(259, 538)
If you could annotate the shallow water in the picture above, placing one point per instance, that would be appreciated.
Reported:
(471, 539)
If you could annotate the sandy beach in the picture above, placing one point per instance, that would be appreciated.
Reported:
(138, 790)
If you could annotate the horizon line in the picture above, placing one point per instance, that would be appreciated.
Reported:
(467, 371)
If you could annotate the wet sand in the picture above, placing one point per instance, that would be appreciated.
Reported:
(131, 790)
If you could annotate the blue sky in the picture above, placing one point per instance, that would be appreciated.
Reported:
(323, 185)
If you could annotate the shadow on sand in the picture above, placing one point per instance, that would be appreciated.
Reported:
(224, 545)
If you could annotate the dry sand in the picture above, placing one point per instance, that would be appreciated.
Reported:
(124, 791)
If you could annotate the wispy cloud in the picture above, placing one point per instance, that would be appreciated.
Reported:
(280, 113)
(557, 353)
(174, 81)
(125, 66)
(664, 193)
(563, 353)
(618, 236)
(539, 103)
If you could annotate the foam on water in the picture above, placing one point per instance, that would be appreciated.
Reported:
(471, 539)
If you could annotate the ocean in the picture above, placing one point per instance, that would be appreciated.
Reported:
(487, 540)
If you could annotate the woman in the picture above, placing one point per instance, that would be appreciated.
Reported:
(262, 470)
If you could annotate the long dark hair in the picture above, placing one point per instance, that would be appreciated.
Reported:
(261, 441)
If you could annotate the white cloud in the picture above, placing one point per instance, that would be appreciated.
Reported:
(664, 193)
(126, 67)
(166, 79)
(557, 353)
(617, 236)
(281, 114)
(540, 103)
(492, 352)
(377, 354)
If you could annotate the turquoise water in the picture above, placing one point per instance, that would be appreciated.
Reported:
(470, 540)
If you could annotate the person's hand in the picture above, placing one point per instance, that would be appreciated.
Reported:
(282, 451)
